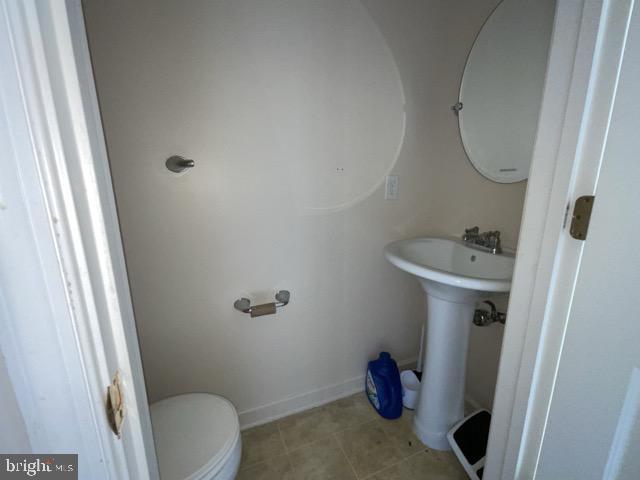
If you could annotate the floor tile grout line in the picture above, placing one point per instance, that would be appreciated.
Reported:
(286, 450)
(289, 450)
(293, 468)
(354, 426)
(388, 466)
(404, 459)
(390, 440)
(392, 445)
(284, 443)
(424, 450)
(244, 465)
(353, 469)
(373, 419)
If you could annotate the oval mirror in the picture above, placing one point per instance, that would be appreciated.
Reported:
(501, 90)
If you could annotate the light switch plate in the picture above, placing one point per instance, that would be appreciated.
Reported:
(391, 187)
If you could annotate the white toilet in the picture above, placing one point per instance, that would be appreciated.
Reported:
(197, 437)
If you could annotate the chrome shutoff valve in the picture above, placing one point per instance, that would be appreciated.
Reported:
(482, 318)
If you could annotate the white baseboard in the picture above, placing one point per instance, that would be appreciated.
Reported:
(472, 402)
(298, 403)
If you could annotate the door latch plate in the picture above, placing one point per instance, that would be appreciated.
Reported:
(581, 216)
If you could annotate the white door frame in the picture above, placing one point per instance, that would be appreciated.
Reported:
(584, 65)
(63, 168)
(65, 310)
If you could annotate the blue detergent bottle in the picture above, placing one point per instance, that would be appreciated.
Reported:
(383, 386)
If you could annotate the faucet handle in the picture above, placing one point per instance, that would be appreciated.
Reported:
(470, 234)
(493, 241)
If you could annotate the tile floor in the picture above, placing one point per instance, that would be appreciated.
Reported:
(344, 440)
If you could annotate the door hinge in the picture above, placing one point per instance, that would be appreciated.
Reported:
(581, 216)
(115, 405)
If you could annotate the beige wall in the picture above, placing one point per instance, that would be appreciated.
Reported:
(239, 224)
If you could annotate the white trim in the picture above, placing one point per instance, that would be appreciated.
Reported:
(536, 249)
(627, 427)
(610, 31)
(59, 157)
(472, 402)
(109, 245)
(39, 318)
(314, 398)
(584, 63)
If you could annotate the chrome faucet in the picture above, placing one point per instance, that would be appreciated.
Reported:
(470, 234)
(489, 240)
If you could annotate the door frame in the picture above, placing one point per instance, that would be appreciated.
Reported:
(586, 52)
(66, 138)
(58, 155)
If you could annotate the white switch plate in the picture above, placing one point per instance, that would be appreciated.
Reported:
(391, 187)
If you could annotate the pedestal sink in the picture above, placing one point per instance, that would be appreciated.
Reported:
(454, 276)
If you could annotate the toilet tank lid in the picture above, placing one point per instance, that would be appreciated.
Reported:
(193, 433)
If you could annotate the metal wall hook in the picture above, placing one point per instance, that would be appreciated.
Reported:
(244, 305)
(456, 108)
(178, 164)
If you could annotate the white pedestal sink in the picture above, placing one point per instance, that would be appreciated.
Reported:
(454, 276)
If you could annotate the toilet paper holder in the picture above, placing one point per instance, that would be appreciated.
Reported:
(244, 305)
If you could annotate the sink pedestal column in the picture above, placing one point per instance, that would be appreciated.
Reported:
(441, 402)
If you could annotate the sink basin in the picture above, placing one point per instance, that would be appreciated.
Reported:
(454, 275)
(452, 262)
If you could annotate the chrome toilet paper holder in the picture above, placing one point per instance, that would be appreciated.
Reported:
(244, 305)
